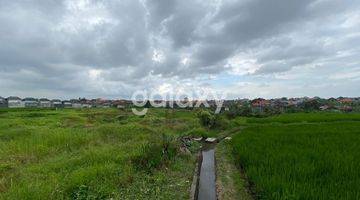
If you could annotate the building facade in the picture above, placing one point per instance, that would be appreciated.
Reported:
(15, 102)
(56, 103)
(3, 103)
(44, 103)
(30, 102)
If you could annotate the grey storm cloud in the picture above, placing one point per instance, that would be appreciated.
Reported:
(109, 48)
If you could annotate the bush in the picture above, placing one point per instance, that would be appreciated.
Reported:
(212, 121)
(235, 111)
(310, 105)
(206, 119)
(220, 122)
(153, 154)
(150, 157)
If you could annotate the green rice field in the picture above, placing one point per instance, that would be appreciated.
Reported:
(301, 156)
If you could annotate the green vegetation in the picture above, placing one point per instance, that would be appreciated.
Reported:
(110, 153)
(307, 117)
(94, 154)
(301, 156)
(231, 182)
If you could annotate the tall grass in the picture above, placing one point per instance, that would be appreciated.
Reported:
(92, 154)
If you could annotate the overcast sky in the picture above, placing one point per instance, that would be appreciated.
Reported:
(246, 48)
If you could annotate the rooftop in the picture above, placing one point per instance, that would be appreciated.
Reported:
(13, 98)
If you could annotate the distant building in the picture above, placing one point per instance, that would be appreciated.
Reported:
(3, 103)
(345, 100)
(102, 103)
(86, 105)
(75, 103)
(295, 101)
(324, 107)
(44, 103)
(30, 102)
(56, 103)
(15, 102)
(121, 103)
(67, 104)
(260, 102)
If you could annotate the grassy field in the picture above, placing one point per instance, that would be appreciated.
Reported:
(110, 153)
(301, 156)
(95, 154)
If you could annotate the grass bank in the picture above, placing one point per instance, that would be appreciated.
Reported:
(231, 182)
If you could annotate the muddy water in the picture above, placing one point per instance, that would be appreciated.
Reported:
(207, 186)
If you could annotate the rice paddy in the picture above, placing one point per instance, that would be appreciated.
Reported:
(301, 156)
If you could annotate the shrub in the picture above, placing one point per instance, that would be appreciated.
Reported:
(212, 121)
(206, 118)
(220, 122)
(153, 154)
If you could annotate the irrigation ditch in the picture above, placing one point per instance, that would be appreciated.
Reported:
(204, 180)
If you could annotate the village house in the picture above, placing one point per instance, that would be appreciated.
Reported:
(44, 103)
(67, 104)
(75, 103)
(85, 103)
(56, 103)
(103, 103)
(30, 102)
(345, 100)
(120, 103)
(324, 107)
(106, 105)
(15, 102)
(3, 102)
(96, 102)
(260, 102)
(279, 103)
(296, 101)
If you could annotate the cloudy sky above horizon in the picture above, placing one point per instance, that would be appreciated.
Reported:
(245, 48)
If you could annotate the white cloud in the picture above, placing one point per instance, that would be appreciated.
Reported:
(243, 64)
(112, 48)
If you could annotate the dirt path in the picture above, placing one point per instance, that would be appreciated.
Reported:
(231, 184)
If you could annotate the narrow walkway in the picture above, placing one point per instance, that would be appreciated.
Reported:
(207, 185)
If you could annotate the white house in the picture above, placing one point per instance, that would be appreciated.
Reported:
(85, 105)
(15, 102)
(56, 103)
(44, 103)
(75, 103)
(30, 102)
(67, 104)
